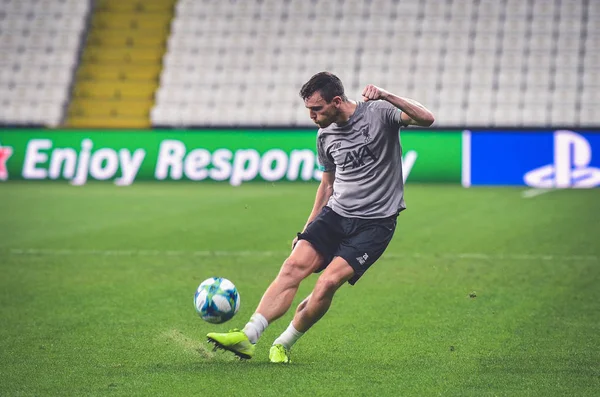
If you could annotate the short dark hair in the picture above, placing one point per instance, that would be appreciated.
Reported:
(326, 83)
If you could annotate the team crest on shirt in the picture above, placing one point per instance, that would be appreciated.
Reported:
(365, 133)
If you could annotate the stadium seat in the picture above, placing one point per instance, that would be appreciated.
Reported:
(480, 54)
(39, 41)
(486, 58)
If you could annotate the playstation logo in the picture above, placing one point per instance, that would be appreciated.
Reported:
(572, 157)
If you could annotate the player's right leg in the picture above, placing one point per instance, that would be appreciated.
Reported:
(277, 299)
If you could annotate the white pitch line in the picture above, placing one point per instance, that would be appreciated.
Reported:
(480, 256)
(95, 252)
(530, 193)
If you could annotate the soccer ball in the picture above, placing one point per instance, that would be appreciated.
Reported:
(216, 300)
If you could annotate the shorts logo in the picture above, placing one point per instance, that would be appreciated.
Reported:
(362, 259)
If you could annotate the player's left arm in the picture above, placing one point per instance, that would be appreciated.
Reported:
(413, 113)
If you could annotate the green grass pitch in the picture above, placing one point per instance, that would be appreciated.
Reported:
(481, 293)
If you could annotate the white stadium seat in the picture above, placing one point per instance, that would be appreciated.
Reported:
(480, 62)
(480, 53)
(40, 42)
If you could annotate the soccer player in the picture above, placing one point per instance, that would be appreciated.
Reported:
(354, 214)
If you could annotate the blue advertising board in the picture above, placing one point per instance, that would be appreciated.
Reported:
(544, 159)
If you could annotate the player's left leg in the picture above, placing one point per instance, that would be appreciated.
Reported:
(367, 241)
(280, 350)
(313, 308)
(303, 261)
(333, 277)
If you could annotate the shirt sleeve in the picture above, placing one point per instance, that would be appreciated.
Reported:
(391, 114)
(326, 164)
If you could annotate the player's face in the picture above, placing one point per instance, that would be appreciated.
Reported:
(321, 112)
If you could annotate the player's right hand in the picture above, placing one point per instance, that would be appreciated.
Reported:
(373, 93)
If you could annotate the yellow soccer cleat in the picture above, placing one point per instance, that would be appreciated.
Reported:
(235, 341)
(279, 354)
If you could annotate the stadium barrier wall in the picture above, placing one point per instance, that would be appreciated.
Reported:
(544, 159)
(234, 156)
(536, 158)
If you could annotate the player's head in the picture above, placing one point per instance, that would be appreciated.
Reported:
(323, 95)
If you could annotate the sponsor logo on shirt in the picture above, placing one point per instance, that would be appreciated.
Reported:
(356, 158)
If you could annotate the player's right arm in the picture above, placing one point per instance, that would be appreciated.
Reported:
(324, 192)
(412, 111)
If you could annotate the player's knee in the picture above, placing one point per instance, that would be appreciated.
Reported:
(293, 270)
(327, 285)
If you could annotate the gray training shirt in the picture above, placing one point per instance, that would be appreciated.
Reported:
(366, 156)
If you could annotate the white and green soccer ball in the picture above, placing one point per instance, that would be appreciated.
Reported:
(216, 300)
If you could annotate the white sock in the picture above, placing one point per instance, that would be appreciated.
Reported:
(255, 327)
(289, 337)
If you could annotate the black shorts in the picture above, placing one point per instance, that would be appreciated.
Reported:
(359, 241)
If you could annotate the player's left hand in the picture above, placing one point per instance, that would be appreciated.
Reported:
(373, 93)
